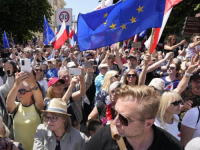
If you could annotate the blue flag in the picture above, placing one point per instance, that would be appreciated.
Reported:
(48, 32)
(118, 22)
(6, 42)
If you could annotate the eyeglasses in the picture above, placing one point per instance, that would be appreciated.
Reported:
(127, 52)
(49, 62)
(38, 70)
(124, 120)
(53, 118)
(131, 75)
(105, 68)
(23, 91)
(176, 103)
(116, 76)
(170, 67)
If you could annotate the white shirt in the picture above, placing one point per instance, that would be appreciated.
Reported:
(44, 84)
(190, 120)
(192, 51)
(171, 128)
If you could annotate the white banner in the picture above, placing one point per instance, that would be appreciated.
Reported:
(64, 14)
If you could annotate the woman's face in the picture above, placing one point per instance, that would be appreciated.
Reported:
(172, 69)
(131, 77)
(115, 78)
(54, 122)
(109, 59)
(173, 40)
(24, 93)
(174, 107)
(58, 64)
(112, 96)
(58, 88)
(196, 39)
(38, 71)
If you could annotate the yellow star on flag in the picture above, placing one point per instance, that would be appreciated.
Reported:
(113, 26)
(105, 23)
(123, 26)
(105, 15)
(133, 19)
(140, 9)
(123, 0)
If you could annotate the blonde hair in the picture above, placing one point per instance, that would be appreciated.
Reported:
(165, 101)
(50, 93)
(5, 131)
(125, 77)
(107, 80)
(147, 97)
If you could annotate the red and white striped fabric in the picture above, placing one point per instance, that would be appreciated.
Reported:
(61, 37)
(158, 31)
(104, 4)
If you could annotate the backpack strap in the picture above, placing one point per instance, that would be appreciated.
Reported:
(9, 147)
(116, 137)
(198, 115)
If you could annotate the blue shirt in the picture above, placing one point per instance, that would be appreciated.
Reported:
(52, 73)
(98, 83)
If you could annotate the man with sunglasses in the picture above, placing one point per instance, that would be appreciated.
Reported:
(52, 71)
(136, 109)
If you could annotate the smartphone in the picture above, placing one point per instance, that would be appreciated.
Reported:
(67, 59)
(25, 65)
(75, 72)
(89, 64)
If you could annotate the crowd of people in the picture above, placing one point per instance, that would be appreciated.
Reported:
(105, 99)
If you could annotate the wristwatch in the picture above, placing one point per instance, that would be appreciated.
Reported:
(35, 88)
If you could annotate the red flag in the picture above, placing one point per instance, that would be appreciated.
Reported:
(61, 37)
(71, 33)
(158, 31)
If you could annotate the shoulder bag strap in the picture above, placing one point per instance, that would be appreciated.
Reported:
(116, 137)
(9, 147)
(198, 115)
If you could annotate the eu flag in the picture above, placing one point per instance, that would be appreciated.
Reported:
(6, 43)
(48, 32)
(118, 22)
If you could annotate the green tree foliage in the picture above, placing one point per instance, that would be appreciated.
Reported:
(23, 17)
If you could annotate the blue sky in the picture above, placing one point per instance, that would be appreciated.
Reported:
(82, 6)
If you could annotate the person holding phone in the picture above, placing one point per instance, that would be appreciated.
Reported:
(26, 111)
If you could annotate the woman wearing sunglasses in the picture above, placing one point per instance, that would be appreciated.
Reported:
(26, 111)
(109, 59)
(131, 78)
(39, 77)
(172, 81)
(110, 77)
(57, 133)
(167, 117)
(104, 110)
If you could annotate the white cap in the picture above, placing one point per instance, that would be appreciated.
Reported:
(71, 64)
(102, 66)
(157, 83)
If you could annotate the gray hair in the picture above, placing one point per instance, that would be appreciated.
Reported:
(62, 70)
(115, 85)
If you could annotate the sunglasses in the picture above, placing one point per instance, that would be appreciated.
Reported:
(23, 91)
(109, 57)
(38, 70)
(174, 39)
(49, 62)
(124, 120)
(131, 75)
(172, 68)
(53, 118)
(176, 103)
(116, 76)
(126, 52)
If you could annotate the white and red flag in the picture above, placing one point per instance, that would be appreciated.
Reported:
(104, 4)
(158, 31)
(61, 37)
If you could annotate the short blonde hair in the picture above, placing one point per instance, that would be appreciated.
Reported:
(165, 101)
(5, 131)
(107, 80)
(50, 93)
(147, 98)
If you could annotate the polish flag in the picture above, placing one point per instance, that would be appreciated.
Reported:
(61, 37)
(104, 4)
(144, 40)
(158, 31)
(71, 33)
(126, 42)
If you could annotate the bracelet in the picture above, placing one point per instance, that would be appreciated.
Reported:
(188, 74)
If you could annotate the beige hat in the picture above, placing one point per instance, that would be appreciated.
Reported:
(57, 105)
(76, 52)
(38, 50)
(53, 60)
(102, 66)
(71, 64)
(157, 83)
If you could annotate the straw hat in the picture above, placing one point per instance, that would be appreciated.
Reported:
(57, 105)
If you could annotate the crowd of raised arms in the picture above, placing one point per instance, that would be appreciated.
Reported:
(104, 99)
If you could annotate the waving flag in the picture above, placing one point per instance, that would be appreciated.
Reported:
(143, 33)
(6, 42)
(104, 4)
(158, 31)
(115, 23)
(48, 33)
(62, 36)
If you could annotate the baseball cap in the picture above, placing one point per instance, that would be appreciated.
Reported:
(52, 81)
(103, 66)
(53, 60)
(87, 54)
(71, 64)
(157, 83)
(196, 75)
(132, 56)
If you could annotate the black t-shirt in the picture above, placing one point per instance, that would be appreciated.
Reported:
(188, 95)
(102, 140)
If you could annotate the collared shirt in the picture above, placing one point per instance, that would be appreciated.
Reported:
(98, 83)
(52, 73)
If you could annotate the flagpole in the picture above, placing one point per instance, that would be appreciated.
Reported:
(151, 41)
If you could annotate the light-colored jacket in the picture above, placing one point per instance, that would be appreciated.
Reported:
(45, 139)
